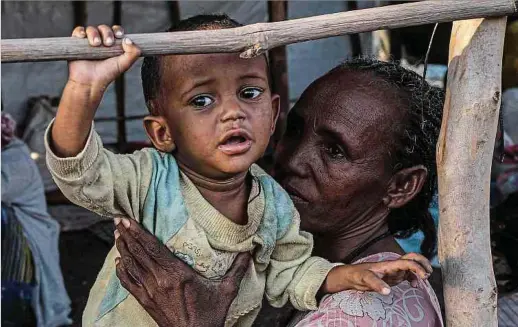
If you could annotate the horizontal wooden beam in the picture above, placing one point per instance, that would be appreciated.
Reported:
(252, 40)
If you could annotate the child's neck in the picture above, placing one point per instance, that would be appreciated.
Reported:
(229, 196)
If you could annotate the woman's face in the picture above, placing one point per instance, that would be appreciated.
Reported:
(333, 158)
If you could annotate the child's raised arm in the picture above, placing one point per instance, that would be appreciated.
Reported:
(86, 84)
(87, 174)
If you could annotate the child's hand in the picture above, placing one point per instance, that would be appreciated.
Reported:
(100, 73)
(377, 276)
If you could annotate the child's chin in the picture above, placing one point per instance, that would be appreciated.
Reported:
(235, 167)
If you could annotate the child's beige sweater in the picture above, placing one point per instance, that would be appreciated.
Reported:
(149, 187)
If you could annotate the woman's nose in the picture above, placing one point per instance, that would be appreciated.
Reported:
(295, 158)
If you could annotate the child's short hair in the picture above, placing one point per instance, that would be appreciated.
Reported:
(151, 67)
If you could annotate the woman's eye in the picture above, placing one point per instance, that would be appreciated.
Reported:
(251, 93)
(334, 151)
(202, 101)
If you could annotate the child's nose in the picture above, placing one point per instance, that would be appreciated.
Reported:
(232, 110)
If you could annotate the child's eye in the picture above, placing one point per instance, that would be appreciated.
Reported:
(201, 101)
(334, 150)
(251, 92)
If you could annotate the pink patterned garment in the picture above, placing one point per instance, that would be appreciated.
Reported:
(405, 306)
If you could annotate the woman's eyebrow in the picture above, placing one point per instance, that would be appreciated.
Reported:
(330, 132)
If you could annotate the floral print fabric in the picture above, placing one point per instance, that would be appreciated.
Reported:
(405, 306)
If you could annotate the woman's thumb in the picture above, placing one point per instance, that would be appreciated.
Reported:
(240, 265)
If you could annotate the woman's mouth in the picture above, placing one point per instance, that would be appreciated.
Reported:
(235, 142)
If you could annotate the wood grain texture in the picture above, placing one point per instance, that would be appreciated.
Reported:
(252, 40)
(464, 158)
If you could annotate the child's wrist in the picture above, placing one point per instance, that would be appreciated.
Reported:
(94, 89)
(335, 281)
(90, 93)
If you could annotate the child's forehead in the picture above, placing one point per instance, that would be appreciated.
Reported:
(221, 64)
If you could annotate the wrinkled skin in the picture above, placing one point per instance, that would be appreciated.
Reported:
(173, 295)
(333, 160)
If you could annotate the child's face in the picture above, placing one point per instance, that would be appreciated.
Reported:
(219, 111)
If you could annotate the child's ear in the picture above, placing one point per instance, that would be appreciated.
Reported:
(158, 131)
(276, 108)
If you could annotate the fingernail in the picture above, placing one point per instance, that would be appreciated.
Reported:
(82, 33)
(118, 33)
(385, 291)
(117, 234)
(97, 40)
(116, 221)
(128, 41)
(117, 260)
(109, 41)
(126, 223)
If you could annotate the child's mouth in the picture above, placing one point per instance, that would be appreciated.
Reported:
(235, 142)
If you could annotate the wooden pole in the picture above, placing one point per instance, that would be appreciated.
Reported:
(356, 46)
(464, 157)
(120, 88)
(174, 11)
(255, 39)
(80, 15)
(278, 11)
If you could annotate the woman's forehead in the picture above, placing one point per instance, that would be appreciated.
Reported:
(349, 101)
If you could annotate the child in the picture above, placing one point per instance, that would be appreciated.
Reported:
(199, 192)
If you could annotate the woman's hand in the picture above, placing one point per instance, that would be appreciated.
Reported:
(169, 290)
(377, 276)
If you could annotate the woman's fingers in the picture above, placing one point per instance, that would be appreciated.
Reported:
(129, 247)
(107, 35)
(79, 32)
(128, 282)
(154, 248)
(240, 265)
(422, 260)
(94, 39)
(118, 31)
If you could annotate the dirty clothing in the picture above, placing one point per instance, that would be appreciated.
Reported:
(148, 186)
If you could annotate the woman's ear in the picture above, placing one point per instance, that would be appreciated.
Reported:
(404, 186)
(276, 105)
(158, 131)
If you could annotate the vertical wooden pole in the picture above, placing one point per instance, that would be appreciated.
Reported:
(464, 157)
(278, 11)
(386, 44)
(80, 15)
(356, 46)
(174, 11)
(120, 88)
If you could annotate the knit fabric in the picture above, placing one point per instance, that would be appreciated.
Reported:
(148, 186)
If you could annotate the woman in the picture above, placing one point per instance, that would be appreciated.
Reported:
(30, 256)
(358, 159)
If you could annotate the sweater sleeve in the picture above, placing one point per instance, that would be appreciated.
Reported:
(109, 184)
(292, 273)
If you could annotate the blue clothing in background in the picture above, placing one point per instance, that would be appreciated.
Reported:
(413, 243)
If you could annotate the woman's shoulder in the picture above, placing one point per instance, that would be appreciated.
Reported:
(404, 306)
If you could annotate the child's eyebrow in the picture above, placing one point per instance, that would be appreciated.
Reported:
(253, 76)
(197, 83)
